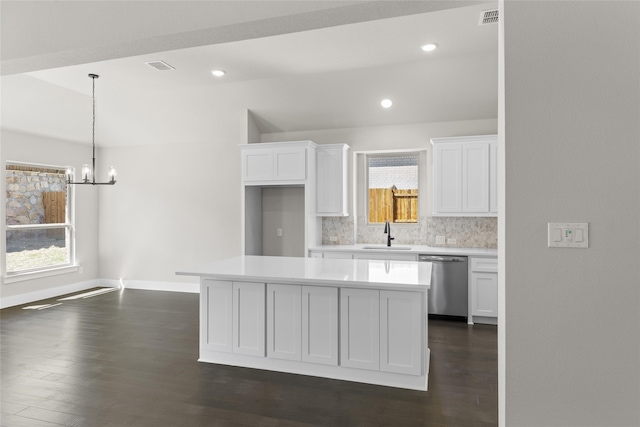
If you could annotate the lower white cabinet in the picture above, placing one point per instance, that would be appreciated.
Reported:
(331, 255)
(302, 323)
(360, 328)
(381, 330)
(249, 318)
(283, 322)
(320, 325)
(483, 281)
(401, 329)
(216, 332)
(383, 256)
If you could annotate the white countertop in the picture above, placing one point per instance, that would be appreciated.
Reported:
(410, 249)
(371, 274)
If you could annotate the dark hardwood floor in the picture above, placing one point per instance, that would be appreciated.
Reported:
(128, 358)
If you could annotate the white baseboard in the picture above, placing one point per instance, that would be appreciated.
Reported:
(51, 293)
(112, 283)
(151, 285)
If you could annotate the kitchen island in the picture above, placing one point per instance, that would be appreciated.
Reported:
(355, 320)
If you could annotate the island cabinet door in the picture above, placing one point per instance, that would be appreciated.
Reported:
(283, 321)
(401, 332)
(360, 328)
(249, 318)
(320, 325)
(216, 331)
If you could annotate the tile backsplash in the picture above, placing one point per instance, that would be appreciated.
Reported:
(469, 232)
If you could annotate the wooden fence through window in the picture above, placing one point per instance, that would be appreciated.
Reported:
(55, 207)
(393, 205)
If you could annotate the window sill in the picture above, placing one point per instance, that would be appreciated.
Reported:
(54, 271)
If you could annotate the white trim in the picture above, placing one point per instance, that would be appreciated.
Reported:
(40, 273)
(49, 293)
(151, 285)
(63, 169)
(412, 382)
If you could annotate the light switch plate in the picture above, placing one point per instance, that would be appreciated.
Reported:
(568, 234)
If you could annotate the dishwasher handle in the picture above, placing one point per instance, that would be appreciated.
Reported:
(438, 258)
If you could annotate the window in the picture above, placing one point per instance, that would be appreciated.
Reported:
(39, 221)
(393, 187)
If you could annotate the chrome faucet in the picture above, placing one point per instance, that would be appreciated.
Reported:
(387, 231)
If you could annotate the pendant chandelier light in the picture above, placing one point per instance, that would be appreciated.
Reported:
(88, 171)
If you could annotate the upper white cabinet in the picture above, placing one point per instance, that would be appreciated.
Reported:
(276, 163)
(447, 178)
(465, 176)
(332, 177)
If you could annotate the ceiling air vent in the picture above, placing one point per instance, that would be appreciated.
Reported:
(160, 65)
(488, 17)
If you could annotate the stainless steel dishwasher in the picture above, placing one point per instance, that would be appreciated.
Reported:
(449, 290)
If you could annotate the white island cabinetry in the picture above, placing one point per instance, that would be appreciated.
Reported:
(302, 323)
(360, 328)
(356, 320)
(283, 322)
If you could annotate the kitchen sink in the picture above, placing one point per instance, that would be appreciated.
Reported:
(396, 248)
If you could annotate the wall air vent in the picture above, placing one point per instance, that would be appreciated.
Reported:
(160, 65)
(488, 17)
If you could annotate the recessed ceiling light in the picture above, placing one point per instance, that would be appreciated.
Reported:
(218, 73)
(429, 47)
(386, 103)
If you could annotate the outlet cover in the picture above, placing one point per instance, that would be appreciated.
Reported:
(452, 241)
(440, 240)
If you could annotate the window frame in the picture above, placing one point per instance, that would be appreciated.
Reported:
(68, 225)
(360, 184)
(389, 154)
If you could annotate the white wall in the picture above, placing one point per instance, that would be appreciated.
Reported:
(407, 136)
(35, 149)
(572, 106)
(283, 208)
(174, 206)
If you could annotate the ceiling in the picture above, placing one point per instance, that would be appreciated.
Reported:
(292, 74)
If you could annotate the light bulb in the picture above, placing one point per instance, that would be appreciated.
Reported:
(112, 174)
(86, 172)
